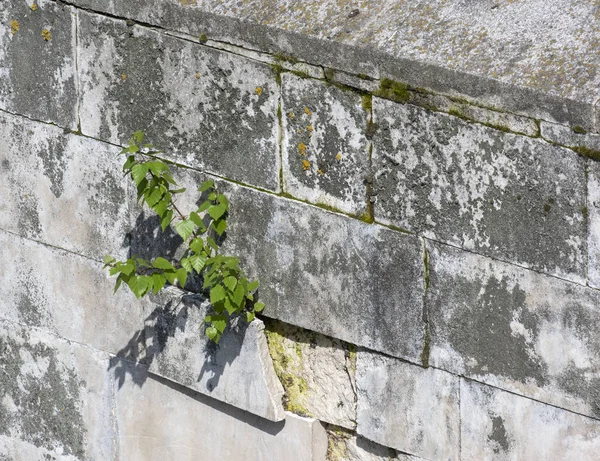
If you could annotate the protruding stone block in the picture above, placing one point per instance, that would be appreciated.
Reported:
(498, 194)
(159, 421)
(37, 61)
(56, 398)
(497, 425)
(63, 189)
(237, 371)
(326, 152)
(406, 407)
(515, 329)
(207, 109)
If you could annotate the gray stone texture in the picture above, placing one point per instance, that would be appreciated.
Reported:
(160, 421)
(406, 407)
(317, 373)
(494, 193)
(205, 108)
(325, 150)
(38, 69)
(568, 136)
(56, 398)
(500, 54)
(344, 446)
(515, 329)
(499, 426)
(237, 371)
(63, 189)
(593, 207)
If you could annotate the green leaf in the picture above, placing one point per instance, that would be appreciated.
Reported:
(154, 197)
(138, 172)
(220, 324)
(223, 201)
(258, 306)
(206, 185)
(162, 263)
(161, 207)
(230, 282)
(182, 277)
(195, 217)
(185, 228)
(219, 226)
(141, 188)
(158, 282)
(205, 205)
(253, 285)
(198, 262)
(157, 167)
(216, 211)
(212, 333)
(212, 243)
(197, 245)
(169, 178)
(118, 282)
(139, 285)
(231, 308)
(217, 293)
(128, 268)
(108, 259)
(133, 149)
(238, 294)
(138, 137)
(114, 270)
(250, 316)
(129, 163)
(178, 191)
(170, 276)
(166, 220)
(212, 196)
(186, 263)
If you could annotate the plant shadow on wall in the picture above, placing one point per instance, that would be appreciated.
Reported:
(173, 248)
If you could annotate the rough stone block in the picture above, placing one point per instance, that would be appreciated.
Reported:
(362, 82)
(56, 398)
(160, 421)
(515, 329)
(497, 425)
(207, 109)
(317, 373)
(406, 407)
(62, 189)
(594, 224)
(574, 137)
(237, 371)
(325, 150)
(37, 61)
(502, 195)
(344, 446)
(66, 294)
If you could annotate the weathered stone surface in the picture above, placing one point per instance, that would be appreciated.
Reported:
(38, 68)
(570, 136)
(499, 194)
(325, 151)
(237, 371)
(317, 373)
(515, 329)
(497, 425)
(56, 398)
(406, 407)
(593, 206)
(204, 108)
(66, 294)
(344, 446)
(62, 189)
(358, 282)
(160, 421)
(501, 54)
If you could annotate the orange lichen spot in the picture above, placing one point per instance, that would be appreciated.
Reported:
(291, 115)
(124, 77)
(310, 128)
(305, 164)
(14, 25)
(258, 90)
(188, 2)
(302, 149)
(307, 111)
(299, 130)
(33, 7)
(338, 157)
(198, 75)
(46, 34)
(321, 172)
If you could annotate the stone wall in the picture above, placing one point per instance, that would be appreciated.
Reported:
(415, 186)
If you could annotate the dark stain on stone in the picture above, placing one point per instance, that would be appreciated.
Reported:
(29, 219)
(499, 437)
(54, 163)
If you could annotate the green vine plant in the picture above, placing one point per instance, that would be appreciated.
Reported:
(231, 294)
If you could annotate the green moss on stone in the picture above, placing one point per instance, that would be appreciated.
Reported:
(579, 129)
(203, 38)
(391, 89)
(367, 103)
(587, 152)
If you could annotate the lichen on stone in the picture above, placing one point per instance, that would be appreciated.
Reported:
(46, 35)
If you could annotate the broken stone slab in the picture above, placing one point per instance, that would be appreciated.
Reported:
(56, 398)
(237, 371)
(515, 329)
(161, 420)
(494, 193)
(498, 425)
(325, 150)
(62, 189)
(317, 373)
(37, 61)
(403, 406)
(207, 109)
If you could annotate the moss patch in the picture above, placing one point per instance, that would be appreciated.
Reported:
(391, 89)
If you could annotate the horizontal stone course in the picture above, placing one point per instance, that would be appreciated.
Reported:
(575, 137)
(494, 193)
(205, 108)
(515, 329)
(593, 207)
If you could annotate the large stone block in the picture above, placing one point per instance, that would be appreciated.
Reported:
(406, 407)
(37, 61)
(207, 109)
(515, 329)
(63, 189)
(317, 373)
(594, 223)
(66, 294)
(325, 150)
(160, 421)
(56, 398)
(237, 371)
(498, 426)
(511, 197)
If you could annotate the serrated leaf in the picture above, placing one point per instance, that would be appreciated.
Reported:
(217, 293)
(160, 208)
(178, 191)
(197, 245)
(223, 201)
(212, 333)
(162, 263)
(139, 285)
(250, 316)
(186, 263)
(182, 277)
(258, 306)
(219, 226)
(253, 285)
(238, 295)
(185, 228)
(169, 178)
(195, 217)
(157, 167)
(198, 263)
(230, 282)
(220, 324)
(141, 188)
(108, 259)
(114, 270)
(158, 282)
(166, 220)
(138, 172)
(138, 137)
(206, 185)
(154, 197)
(128, 268)
(229, 306)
